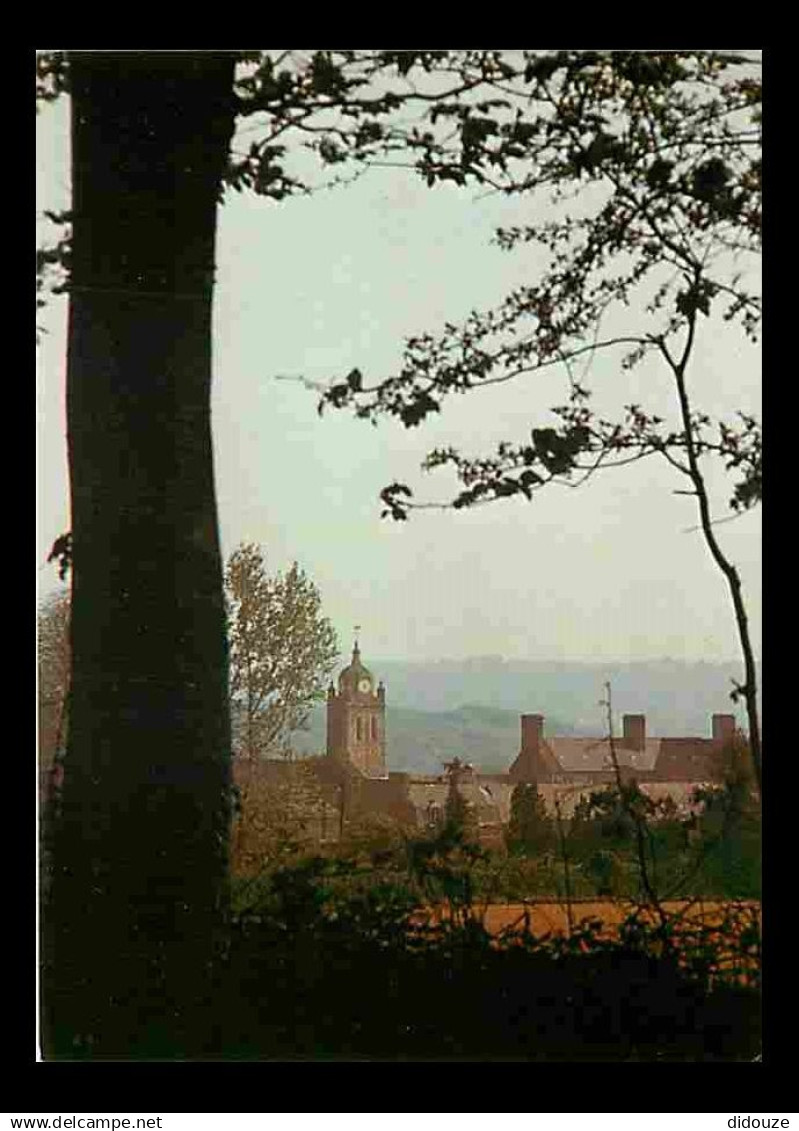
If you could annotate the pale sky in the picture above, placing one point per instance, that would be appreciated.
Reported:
(320, 285)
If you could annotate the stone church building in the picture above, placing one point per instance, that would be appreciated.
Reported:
(355, 778)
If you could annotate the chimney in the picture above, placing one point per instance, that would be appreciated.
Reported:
(525, 765)
(723, 729)
(635, 731)
(532, 733)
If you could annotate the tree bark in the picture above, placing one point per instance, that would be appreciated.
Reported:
(141, 845)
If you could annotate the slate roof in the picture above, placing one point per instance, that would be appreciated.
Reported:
(593, 754)
(687, 759)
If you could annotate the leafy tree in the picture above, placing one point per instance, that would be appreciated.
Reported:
(529, 828)
(282, 651)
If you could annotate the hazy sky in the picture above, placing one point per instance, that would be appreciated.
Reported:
(317, 286)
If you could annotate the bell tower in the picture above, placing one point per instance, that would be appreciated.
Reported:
(356, 719)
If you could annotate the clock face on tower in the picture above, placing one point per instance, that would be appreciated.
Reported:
(364, 686)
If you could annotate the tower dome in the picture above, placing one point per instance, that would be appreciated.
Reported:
(356, 677)
(356, 719)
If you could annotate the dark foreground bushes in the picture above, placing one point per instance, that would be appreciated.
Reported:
(314, 971)
(331, 959)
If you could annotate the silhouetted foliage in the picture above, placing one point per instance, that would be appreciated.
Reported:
(431, 990)
(61, 552)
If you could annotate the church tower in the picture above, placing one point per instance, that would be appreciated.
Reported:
(356, 719)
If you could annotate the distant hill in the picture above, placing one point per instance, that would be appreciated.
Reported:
(471, 708)
(677, 698)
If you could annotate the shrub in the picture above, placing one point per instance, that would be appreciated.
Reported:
(329, 960)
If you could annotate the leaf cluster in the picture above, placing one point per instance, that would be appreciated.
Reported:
(282, 650)
(670, 144)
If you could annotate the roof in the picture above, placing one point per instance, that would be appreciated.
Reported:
(688, 759)
(594, 754)
(660, 759)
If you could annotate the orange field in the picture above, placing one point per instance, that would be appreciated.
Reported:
(553, 917)
(713, 937)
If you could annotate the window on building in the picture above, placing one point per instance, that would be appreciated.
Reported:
(374, 729)
(359, 728)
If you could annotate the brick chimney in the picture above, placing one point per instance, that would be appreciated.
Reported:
(532, 733)
(634, 731)
(526, 765)
(723, 729)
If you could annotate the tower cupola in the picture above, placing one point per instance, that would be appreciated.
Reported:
(356, 730)
(356, 679)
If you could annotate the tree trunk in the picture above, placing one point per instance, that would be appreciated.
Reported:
(140, 850)
(749, 688)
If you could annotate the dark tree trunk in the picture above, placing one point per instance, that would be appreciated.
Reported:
(140, 847)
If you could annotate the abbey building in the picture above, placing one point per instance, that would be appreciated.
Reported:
(355, 777)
